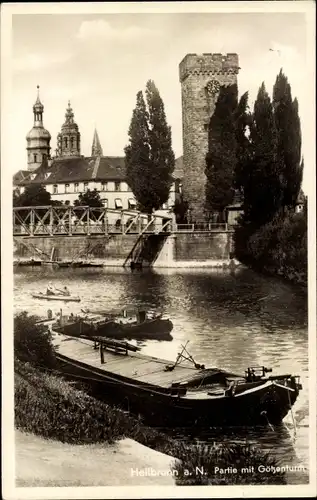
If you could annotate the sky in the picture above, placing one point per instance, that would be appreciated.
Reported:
(99, 62)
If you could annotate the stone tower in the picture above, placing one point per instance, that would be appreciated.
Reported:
(38, 139)
(201, 77)
(96, 149)
(68, 140)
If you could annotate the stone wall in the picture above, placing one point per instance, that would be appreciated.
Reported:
(111, 249)
(175, 250)
(198, 105)
(213, 246)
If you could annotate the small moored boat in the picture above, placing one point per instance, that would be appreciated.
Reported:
(65, 298)
(177, 394)
(130, 323)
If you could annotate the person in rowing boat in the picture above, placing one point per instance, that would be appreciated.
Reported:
(50, 290)
(66, 291)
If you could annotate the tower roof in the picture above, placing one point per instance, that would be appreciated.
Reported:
(69, 124)
(96, 149)
(38, 106)
(38, 132)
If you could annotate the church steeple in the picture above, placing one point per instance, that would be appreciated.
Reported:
(68, 140)
(38, 139)
(96, 149)
(38, 109)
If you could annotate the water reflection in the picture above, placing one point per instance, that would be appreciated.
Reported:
(232, 320)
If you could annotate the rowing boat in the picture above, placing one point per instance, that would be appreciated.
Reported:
(65, 298)
(176, 394)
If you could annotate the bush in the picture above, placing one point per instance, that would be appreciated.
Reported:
(278, 247)
(32, 342)
(202, 465)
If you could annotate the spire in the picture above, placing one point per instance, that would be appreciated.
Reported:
(69, 115)
(38, 109)
(96, 149)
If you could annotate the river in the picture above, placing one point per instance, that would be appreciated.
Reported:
(231, 320)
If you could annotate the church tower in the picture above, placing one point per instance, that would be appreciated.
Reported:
(96, 149)
(201, 77)
(68, 140)
(38, 139)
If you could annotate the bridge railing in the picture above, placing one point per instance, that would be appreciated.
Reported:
(58, 220)
(71, 221)
(203, 227)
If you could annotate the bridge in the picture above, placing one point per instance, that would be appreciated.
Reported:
(115, 237)
(84, 220)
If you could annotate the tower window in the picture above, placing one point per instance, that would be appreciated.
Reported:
(72, 142)
(117, 186)
(76, 187)
(55, 189)
(35, 158)
(66, 142)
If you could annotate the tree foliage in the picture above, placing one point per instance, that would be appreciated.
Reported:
(243, 121)
(32, 342)
(289, 139)
(221, 158)
(32, 196)
(89, 198)
(262, 181)
(227, 148)
(149, 156)
(271, 236)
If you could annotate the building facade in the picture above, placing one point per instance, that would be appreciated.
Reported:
(201, 77)
(69, 173)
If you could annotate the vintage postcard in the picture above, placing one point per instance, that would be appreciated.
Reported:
(158, 250)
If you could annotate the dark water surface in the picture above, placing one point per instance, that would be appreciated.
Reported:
(231, 320)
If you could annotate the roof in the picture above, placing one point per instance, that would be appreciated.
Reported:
(20, 176)
(112, 168)
(38, 133)
(76, 169)
(80, 169)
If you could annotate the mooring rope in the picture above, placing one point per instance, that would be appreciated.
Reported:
(294, 422)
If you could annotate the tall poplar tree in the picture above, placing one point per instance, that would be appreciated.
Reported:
(263, 190)
(161, 153)
(289, 139)
(149, 156)
(243, 120)
(137, 155)
(221, 158)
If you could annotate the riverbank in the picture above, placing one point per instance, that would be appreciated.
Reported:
(230, 264)
(43, 462)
